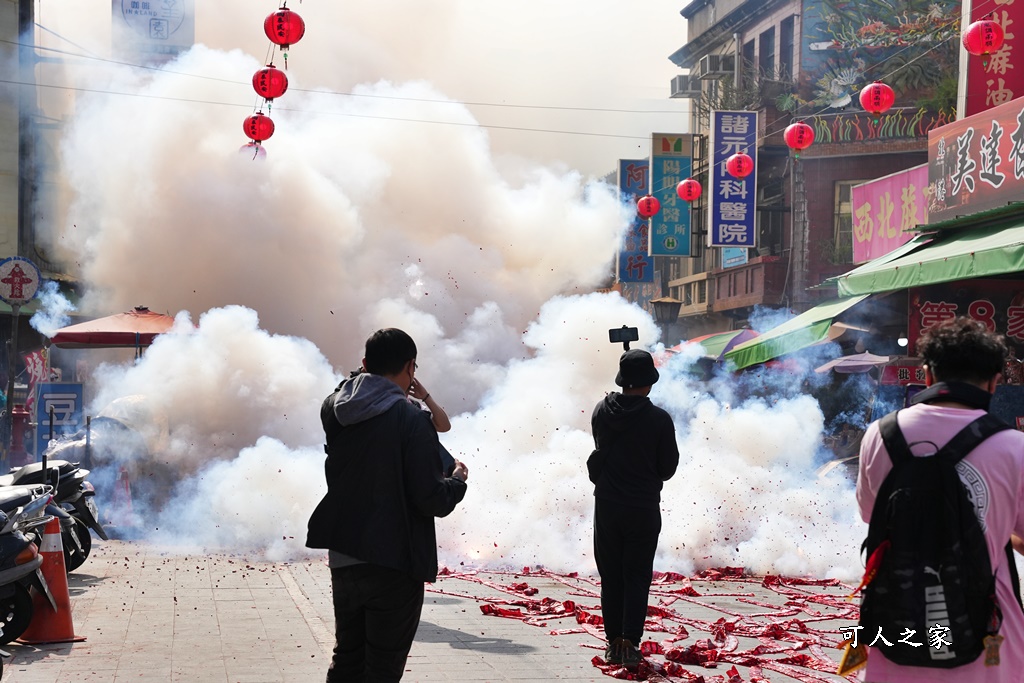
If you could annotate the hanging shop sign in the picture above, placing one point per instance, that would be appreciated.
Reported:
(633, 263)
(977, 163)
(997, 303)
(671, 163)
(153, 31)
(731, 207)
(886, 210)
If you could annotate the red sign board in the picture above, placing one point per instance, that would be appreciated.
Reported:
(997, 303)
(996, 78)
(977, 163)
(884, 211)
(19, 280)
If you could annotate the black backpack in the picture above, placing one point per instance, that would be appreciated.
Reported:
(935, 572)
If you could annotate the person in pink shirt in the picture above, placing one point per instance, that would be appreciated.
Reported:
(963, 362)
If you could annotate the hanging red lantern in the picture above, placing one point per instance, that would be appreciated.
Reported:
(270, 82)
(253, 150)
(284, 27)
(983, 37)
(689, 190)
(258, 127)
(798, 136)
(648, 206)
(877, 98)
(739, 165)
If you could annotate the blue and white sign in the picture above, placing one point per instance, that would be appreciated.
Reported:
(734, 256)
(66, 400)
(732, 201)
(671, 163)
(633, 263)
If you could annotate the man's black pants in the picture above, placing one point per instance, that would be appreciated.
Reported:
(625, 542)
(376, 613)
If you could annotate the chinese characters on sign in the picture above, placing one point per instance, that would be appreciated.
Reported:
(997, 303)
(977, 163)
(992, 80)
(66, 400)
(885, 210)
(633, 263)
(731, 201)
(153, 30)
(671, 163)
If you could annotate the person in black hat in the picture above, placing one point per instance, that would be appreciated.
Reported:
(635, 453)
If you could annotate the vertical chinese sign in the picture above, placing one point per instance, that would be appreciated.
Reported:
(996, 78)
(731, 201)
(976, 164)
(633, 263)
(671, 163)
(886, 210)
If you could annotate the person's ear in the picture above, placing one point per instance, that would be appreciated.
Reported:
(928, 379)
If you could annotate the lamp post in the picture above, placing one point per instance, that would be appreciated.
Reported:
(666, 312)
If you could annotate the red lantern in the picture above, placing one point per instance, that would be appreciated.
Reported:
(258, 127)
(689, 190)
(739, 165)
(798, 136)
(253, 150)
(648, 206)
(877, 97)
(284, 27)
(270, 82)
(983, 37)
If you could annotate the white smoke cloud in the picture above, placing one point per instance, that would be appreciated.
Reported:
(482, 246)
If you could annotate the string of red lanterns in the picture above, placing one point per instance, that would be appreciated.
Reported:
(648, 206)
(798, 136)
(739, 165)
(284, 28)
(689, 190)
(983, 37)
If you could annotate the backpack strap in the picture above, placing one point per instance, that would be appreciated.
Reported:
(895, 443)
(971, 436)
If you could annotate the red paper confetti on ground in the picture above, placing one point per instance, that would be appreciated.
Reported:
(790, 640)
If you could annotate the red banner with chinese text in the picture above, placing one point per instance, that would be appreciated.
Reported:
(997, 303)
(996, 78)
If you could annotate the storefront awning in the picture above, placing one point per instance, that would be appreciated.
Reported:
(938, 257)
(810, 327)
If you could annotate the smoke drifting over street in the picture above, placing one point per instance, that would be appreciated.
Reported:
(278, 271)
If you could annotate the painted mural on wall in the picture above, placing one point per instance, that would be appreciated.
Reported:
(913, 45)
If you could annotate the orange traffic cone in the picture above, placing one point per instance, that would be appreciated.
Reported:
(49, 625)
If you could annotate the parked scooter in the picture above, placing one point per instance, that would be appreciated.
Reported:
(74, 498)
(22, 514)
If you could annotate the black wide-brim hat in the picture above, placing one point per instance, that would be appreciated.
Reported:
(636, 369)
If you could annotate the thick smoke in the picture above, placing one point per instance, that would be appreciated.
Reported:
(355, 221)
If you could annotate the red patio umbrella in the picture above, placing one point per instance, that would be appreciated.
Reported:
(132, 329)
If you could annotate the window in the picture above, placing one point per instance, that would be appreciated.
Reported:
(786, 37)
(842, 240)
(749, 64)
(766, 54)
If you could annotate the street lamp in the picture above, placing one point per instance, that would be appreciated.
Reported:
(666, 312)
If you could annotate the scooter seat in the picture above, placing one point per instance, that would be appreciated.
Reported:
(13, 497)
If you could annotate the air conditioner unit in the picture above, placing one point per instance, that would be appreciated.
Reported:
(716, 66)
(686, 86)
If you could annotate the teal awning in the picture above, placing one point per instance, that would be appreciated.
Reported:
(810, 327)
(940, 257)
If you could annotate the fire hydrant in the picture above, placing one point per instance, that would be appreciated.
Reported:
(18, 457)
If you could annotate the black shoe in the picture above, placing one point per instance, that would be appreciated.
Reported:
(613, 653)
(630, 655)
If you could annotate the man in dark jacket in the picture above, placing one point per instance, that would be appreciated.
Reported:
(385, 485)
(636, 452)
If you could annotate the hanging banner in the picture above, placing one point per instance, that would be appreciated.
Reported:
(977, 163)
(633, 263)
(996, 78)
(885, 210)
(671, 163)
(731, 201)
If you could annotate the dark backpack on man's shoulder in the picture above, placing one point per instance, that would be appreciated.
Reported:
(935, 573)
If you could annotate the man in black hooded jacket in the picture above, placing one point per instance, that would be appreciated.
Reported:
(637, 452)
(385, 485)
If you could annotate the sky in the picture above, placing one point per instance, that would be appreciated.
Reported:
(485, 244)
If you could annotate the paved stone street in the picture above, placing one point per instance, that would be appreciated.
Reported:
(154, 615)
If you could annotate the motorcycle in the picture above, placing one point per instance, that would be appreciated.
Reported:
(74, 500)
(22, 515)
